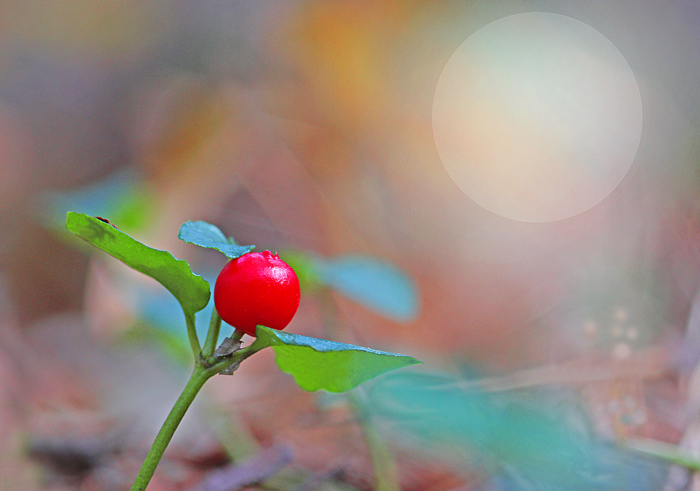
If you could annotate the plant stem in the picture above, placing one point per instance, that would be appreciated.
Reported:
(385, 472)
(237, 334)
(216, 365)
(664, 451)
(192, 335)
(206, 365)
(199, 377)
(197, 380)
(212, 334)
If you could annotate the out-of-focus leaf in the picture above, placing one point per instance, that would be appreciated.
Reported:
(304, 266)
(373, 283)
(191, 290)
(172, 344)
(431, 407)
(319, 364)
(531, 445)
(210, 236)
(133, 210)
(159, 309)
(118, 196)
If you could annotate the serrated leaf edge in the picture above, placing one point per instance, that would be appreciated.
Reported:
(100, 222)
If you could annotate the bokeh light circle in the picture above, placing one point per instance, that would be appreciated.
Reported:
(537, 117)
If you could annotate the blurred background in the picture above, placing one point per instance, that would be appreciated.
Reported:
(557, 317)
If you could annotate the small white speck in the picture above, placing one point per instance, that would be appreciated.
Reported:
(590, 329)
(621, 314)
(622, 351)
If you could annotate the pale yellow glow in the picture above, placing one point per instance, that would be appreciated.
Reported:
(537, 117)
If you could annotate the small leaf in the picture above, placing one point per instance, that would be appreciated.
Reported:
(319, 364)
(210, 236)
(373, 283)
(191, 290)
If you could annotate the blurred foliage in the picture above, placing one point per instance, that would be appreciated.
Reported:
(367, 280)
(160, 310)
(373, 283)
(121, 197)
(531, 441)
(143, 335)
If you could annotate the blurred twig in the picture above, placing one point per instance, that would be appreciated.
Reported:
(317, 480)
(664, 451)
(254, 470)
(385, 470)
(652, 363)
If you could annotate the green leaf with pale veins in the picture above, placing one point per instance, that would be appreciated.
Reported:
(191, 290)
(210, 236)
(318, 364)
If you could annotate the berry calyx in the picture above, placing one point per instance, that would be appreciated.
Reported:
(257, 288)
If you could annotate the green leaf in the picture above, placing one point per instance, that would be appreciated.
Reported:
(319, 364)
(210, 236)
(373, 283)
(191, 290)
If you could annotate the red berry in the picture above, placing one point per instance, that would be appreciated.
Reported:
(257, 288)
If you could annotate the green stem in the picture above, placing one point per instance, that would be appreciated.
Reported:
(237, 335)
(192, 335)
(383, 461)
(664, 451)
(206, 366)
(212, 334)
(386, 474)
(197, 380)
